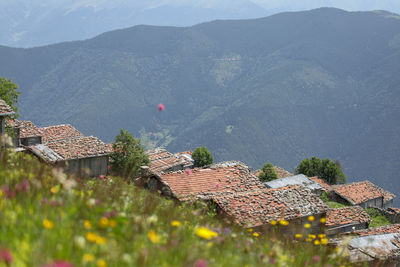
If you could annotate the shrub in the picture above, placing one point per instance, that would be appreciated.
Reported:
(268, 173)
(202, 157)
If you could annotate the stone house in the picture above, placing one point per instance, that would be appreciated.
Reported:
(299, 179)
(346, 219)
(256, 209)
(364, 194)
(183, 185)
(5, 111)
(25, 132)
(163, 161)
(81, 156)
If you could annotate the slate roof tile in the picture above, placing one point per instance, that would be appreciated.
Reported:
(361, 192)
(386, 229)
(347, 215)
(162, 160)
(59, 132)
(322, 183)
(255, 208)
(5, 109)
(26, 128)
(81, 147)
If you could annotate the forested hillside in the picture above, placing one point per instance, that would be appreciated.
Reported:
(278, 89)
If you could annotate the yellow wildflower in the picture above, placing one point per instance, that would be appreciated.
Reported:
(100, 240)
(320, 236)
(311, 218)
(317, 243)
(284, 222)
(87, 224)
(210, 244)
(206, 233)
(308, 240)
(55, 189)
(307, 225)
(101, 263)
(273, 222)
(298, 235)
(153, 237)
(175, 223)
(48, 224)
(256, 234)
(91, 237)
(324, 241)
(31, 211)
(103, 222)
(1, 193)
(250, 230)
(88, 257)
(113, 223)
(322, 220)
(311, 236)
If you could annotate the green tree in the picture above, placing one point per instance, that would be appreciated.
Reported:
(9, 93)
(268, 173)
(326, 169)
(128, 155)
(202, 157)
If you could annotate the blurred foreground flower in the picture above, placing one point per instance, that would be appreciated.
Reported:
(5, 256)
(175, 223)
(59, 264)
(153, 237)
(206, 233)
(48, 224)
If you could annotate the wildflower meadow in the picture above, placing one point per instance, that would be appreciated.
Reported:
(49, 219)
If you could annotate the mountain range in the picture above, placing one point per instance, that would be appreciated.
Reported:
(26, 23)
(277, 89)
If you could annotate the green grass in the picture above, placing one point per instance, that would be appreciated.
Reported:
(335, 205)
(377, 219)
(46, 216)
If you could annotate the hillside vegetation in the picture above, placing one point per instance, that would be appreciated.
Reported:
(50, 219)
(277, 89)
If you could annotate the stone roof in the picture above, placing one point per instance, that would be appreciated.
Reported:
(255, 208)
(59, 132)
(76, 148)
(282, 173)
(162, 160)
(360, 192)
(382, 246)
(231, 176)
(346, 216)
(299, 179)
(386, 229)
(322, 183)
(5, 109)
(26, 128)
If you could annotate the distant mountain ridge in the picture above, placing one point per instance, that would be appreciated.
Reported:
(277, 89)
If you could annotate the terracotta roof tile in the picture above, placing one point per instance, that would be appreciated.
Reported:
(348, 215)
(5, 109)
(59, 132)
(222, 177)
(259, 207)
(81, 147)
(322, 183)
(359, 192)
(393, 210)
(26, 128)
(387, 229)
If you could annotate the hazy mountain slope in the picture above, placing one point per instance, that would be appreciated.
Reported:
(276, 89)
(26, 23)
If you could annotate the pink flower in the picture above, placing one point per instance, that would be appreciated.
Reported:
(22, 187)
(161, 107)
(315, 258)
(108, 167)
(101, 177)
(200, 263)
(110, 214)
(188, 171)
(217, 185)
(5, 256)
(7, 192)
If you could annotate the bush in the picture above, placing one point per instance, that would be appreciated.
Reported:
(202, 157)
(325, 169)
(128, 155)
(268, 173)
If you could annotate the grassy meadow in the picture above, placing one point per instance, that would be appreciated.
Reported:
(50, 219)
